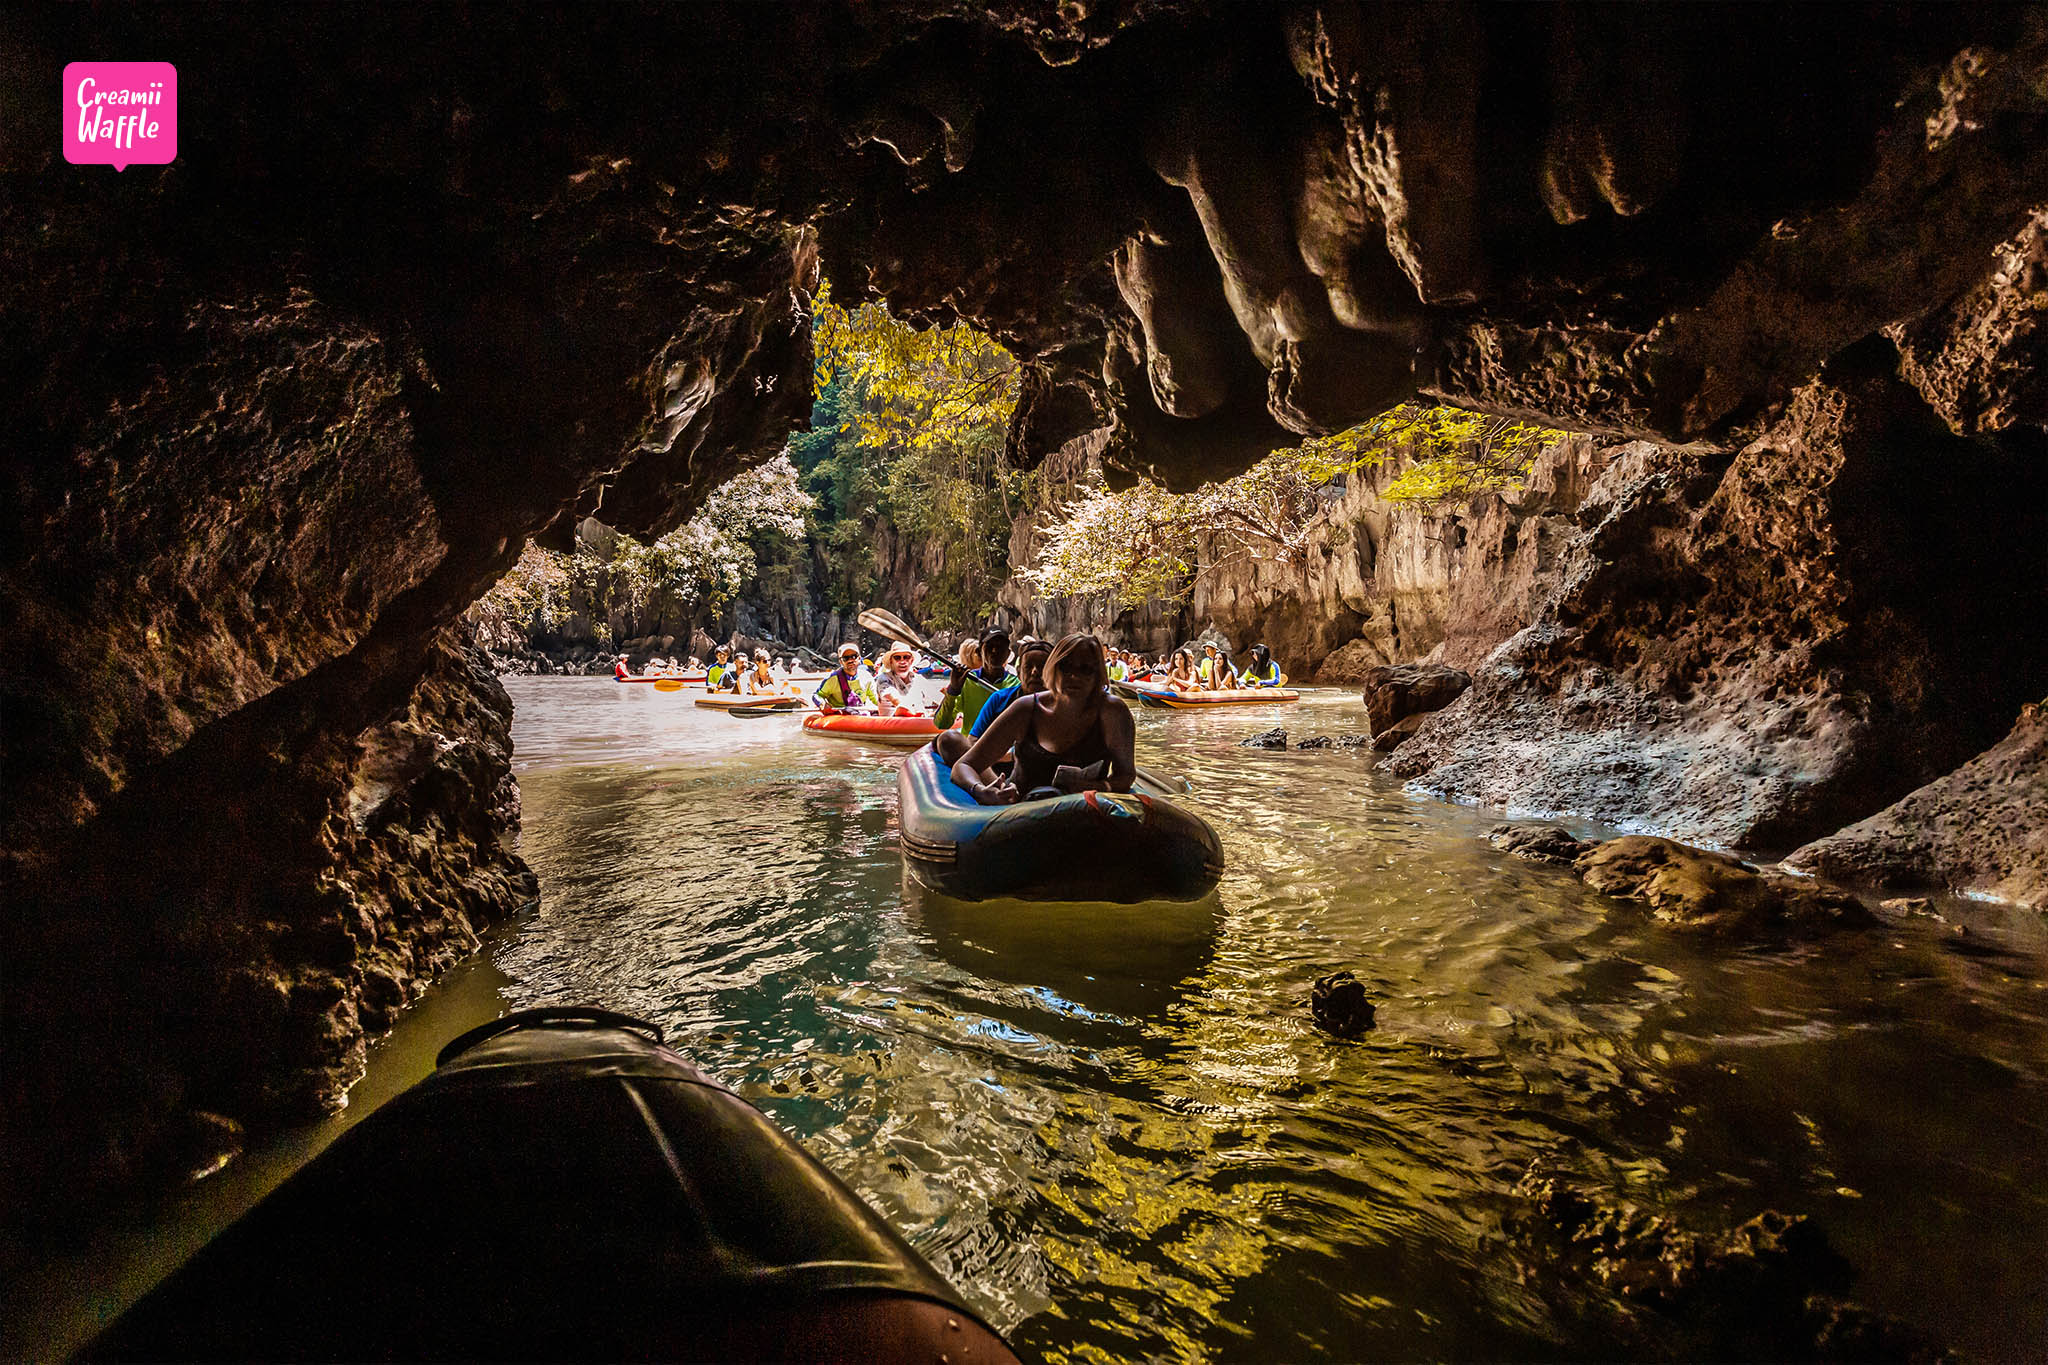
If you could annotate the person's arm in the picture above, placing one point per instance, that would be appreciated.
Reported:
(1120, 732)
(955, 703)
(971, 771)
(825, 703)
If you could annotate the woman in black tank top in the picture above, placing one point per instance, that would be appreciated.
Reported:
(1074, 723)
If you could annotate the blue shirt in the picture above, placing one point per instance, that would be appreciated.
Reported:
(993, 707)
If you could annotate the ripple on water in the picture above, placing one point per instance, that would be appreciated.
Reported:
(1114, 1127)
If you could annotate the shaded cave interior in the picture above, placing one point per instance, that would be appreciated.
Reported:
(281, 411)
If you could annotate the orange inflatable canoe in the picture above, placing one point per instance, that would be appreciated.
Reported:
(906, 732)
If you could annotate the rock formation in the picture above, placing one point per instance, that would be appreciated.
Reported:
(1750, 651)
(1398, 696)
(1982, 828)
(1386, 584)
(425, 283)
(1690, 888)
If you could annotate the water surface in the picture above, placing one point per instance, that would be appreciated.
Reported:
(1115, 1129)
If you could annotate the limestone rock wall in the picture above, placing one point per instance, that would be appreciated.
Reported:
(1751, 650)
(1386, 583)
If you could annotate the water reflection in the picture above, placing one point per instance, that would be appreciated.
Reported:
(1093, 963)
(1116, 1129)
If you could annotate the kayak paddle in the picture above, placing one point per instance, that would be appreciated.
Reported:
(891, 626)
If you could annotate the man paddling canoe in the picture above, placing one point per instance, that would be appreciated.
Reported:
(844, 689)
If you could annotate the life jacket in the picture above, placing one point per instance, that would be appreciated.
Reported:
(715, 675)
(842, 691)
(1267, 675)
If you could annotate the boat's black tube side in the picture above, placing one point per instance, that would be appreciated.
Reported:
(1095, 846)
(564, 1191)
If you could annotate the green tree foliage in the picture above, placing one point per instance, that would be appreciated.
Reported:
(534, 590)
(1144, 543)
(907, 429)
(696, 570)
(704, 564)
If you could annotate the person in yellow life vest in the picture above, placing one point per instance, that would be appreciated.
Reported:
(844, 689)
(969, 689)
(714, 676)
(1215, 672)
(1261, 671)
(1118, 668)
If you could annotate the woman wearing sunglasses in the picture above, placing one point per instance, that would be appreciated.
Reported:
(1072, 737)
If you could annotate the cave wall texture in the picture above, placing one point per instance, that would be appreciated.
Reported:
(427, 281)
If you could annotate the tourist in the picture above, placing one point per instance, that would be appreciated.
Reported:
(1261, 671)
(1071, 737)
(714, 677)
(1119, 668)
(844, 689)
(1031, 657)
(897, 679)
(1216, 673)
(1180, 675)
(760, 680)
(969, 689)
(621, 670)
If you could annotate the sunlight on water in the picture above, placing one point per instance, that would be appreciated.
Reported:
(1115, 1128)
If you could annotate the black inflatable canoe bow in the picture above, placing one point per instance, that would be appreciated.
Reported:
(562, 1187)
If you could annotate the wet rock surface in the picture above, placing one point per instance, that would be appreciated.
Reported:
(1339, 1005)
(1266, 739)
(1317, 742)
(1400, 732)
(1753, 650)
(1771, 1288)
(1538, 843)
(1982, 828)
(1714, 893)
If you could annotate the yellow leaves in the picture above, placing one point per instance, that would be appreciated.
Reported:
(1145, 543)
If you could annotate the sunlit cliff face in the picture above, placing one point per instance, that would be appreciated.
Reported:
(421, 286)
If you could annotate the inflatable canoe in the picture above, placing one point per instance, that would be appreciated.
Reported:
(562, 1187)
(1243, 696)
(905, 732)
(733, 701)
(1097, 846)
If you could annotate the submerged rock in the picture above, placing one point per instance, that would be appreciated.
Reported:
(1354, 741)
(1695, 889)
(1317, 742)
(1538, 843)
(1771, 1288)
(1267, 739)
(1339, 1005)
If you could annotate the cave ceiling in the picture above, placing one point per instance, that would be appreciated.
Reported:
(1216, 228)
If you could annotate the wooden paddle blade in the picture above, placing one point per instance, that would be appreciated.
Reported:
(893, 626)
